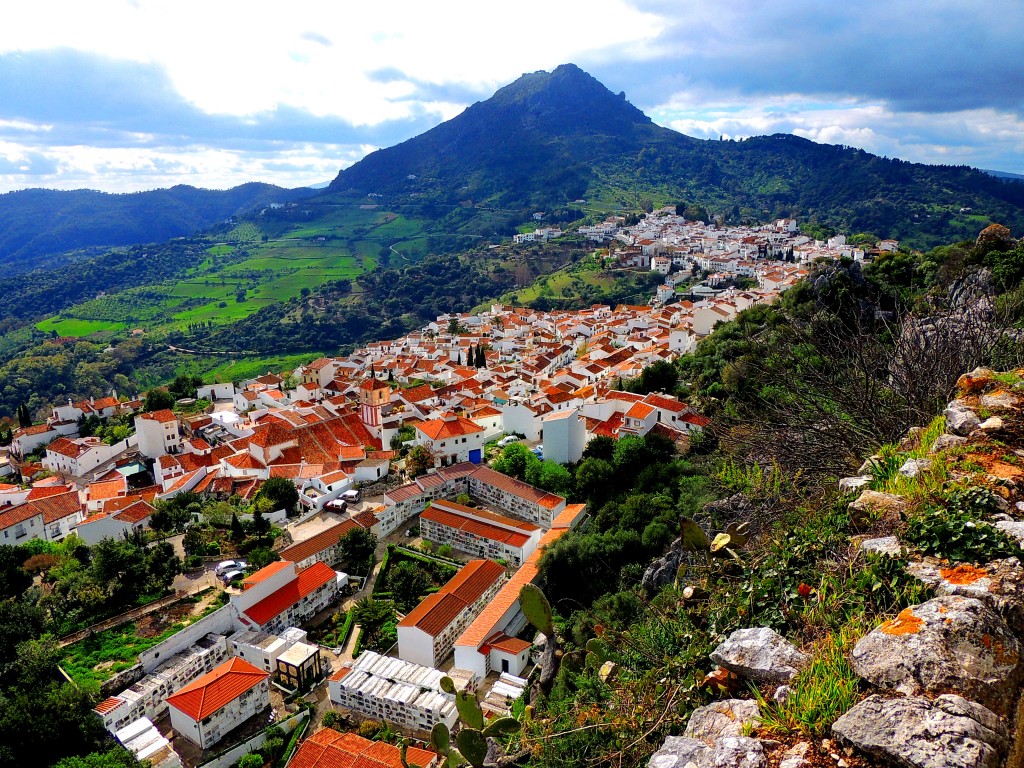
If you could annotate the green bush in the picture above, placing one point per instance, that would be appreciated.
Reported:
(958, 533)
(252, 760)
(330, 719)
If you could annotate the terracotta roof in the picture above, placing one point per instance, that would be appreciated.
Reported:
(475, 527)
(217, 688)
(440, 429)
(484, 625)
(508, 644)
(440, 609)
(309, 580)
(70, 448)
(57, 507)
(328, 748)
(161, 416)
(265, 573)
(318, 543)
(137, 512)
(108, 704)
(639, 411)
(517, 487)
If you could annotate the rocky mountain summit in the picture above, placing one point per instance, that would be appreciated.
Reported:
(940, 681)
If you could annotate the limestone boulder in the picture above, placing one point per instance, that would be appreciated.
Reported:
(721, 718)
(947, 732)
(854, 484)
(886, 545)
(952, 644)
(999, 584)
(998, 399)
(961, 420)
(728, 752)
(945, 442)
(760, 654)
(914, 467)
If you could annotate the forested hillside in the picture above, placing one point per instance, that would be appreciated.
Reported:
(39, 224)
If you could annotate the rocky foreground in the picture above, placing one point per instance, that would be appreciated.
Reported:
(940, 681)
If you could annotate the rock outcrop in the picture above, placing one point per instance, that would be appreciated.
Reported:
(949, 644)
(947, 732)
(760, 654)
(729, 752)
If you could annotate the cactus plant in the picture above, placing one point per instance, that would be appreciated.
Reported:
(473, 740)
(537, 610)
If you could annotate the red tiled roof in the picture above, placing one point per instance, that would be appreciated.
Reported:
(108, 704)
(508, 644)
(474, 527)
(318, 543)
(440, 429)
(57, 507)
(161, 416)
(309, 580)
(328, 748)
(137, 512)
(265, 573)
(217, 688)
(639, 411)
(440, 609)
(517, 487)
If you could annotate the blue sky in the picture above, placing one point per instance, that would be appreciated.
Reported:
(123, 95)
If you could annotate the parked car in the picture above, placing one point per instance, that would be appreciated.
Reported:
(224, 567)
(508, 440)
(337, 505)
(230, 576)
(352, 496)
(539, 452)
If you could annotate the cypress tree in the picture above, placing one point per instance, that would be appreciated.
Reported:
(236, 527)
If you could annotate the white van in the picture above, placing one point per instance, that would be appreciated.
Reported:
(352, 496)
(224, 567)
(508, 441)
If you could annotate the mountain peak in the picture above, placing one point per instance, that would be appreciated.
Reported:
(573, 94)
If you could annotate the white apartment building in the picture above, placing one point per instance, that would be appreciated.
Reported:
(148, 696)
(158, 433)
(208, 709)
(427, 634)
(281, 595)
(479, 532)
(394, 691)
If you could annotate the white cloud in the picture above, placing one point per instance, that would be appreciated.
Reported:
(243, 57)
(979, 137)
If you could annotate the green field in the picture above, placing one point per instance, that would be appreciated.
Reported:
(77, 327)
(250, 367)
(277, 263)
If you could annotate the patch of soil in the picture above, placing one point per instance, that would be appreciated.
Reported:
(993, 464)
(160, 621)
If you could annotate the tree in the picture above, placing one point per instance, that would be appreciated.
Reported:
(356, 547)
(418, 461)
(407, 582)
(516, 460)
(252, 760)
(594, 480)
(281, 492)
(237, 532)
(260, 524)
(24, 417)
(117, 757)
(13, 578)
(194, 543)
(372, 615)
(157, 399)
(261, 557)
(184, 386)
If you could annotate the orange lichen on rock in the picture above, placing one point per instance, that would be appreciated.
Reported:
(904, 624)
(963, 574)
